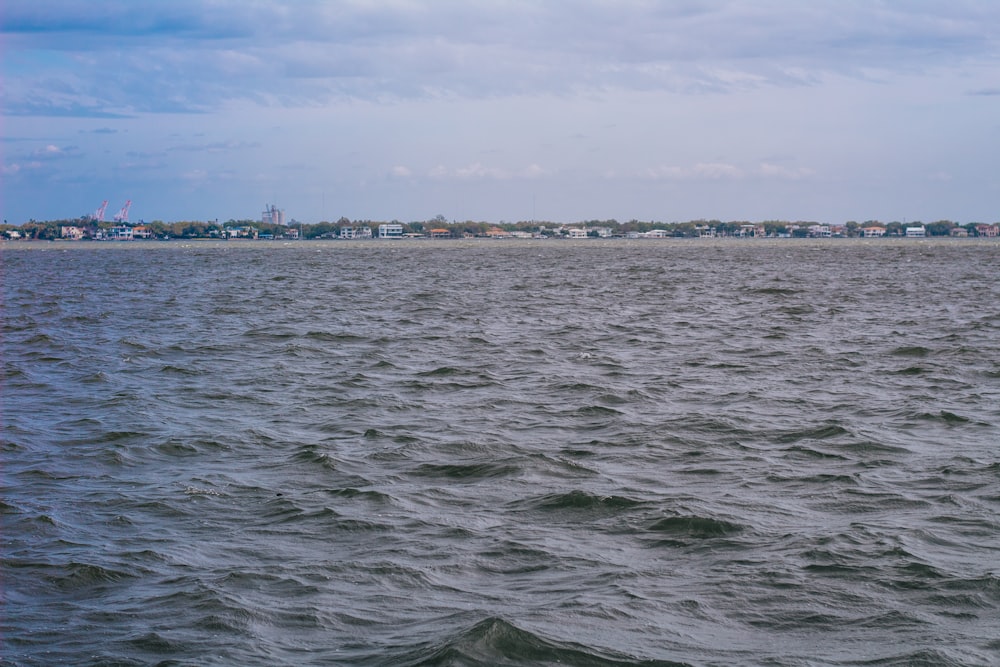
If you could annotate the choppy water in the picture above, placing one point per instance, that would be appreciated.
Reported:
(501, 453)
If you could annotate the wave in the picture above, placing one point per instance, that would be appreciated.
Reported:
(467, 472)
(582, 500)
(495, 642)
(697, 527)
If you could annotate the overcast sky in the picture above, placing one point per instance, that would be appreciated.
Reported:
(504, 110)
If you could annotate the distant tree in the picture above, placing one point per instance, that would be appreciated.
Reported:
(939, 228)
(318, 230)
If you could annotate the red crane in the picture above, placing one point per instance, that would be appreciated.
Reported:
(99, 214)
(122, 215)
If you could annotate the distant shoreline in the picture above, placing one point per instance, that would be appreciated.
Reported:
(398, 244)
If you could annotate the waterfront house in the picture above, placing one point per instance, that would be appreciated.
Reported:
(874, 231)
(391, 230)
(120, 233)
(916, 232)
(355, 232)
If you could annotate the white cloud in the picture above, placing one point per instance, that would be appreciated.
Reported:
(712, 171)
(534, 171)
(778, 171)
(478, 171)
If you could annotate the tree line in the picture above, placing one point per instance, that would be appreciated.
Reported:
(52, 229)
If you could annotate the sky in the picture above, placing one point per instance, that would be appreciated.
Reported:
(501, 110)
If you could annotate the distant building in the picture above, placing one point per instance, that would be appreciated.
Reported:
(355, 232)
(873, 232)
(245, 232)
(120, 233)
(272, 215)
(390, 230)
(916, 232)
(71, 232)
(989, 231)
(751, 230)
(577, 233)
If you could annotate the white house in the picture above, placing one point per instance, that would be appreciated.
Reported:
(390, 230)
(355, 232)
(120, 233)
(916, 232)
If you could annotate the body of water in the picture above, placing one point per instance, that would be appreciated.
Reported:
(601, 453)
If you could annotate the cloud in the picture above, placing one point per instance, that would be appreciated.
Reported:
(49, 153)
(191, 56)
(778, 171)
(216, 147)
(534, 171)
(22, 167)
(477, 171)
(400, 171)
(701, 171)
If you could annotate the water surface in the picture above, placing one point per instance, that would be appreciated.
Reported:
(487, 453)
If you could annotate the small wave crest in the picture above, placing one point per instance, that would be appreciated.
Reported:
(495, 642)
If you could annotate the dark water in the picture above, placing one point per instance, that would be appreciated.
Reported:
(503, 453)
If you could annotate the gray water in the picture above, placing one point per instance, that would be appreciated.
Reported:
(501, 453)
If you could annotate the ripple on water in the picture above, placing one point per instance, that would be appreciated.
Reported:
(600, 453)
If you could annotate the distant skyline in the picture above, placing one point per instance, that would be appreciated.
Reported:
(828, 110)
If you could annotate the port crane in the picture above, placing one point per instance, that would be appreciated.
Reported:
(99, 213)
(122, 215)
